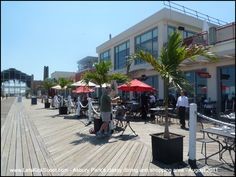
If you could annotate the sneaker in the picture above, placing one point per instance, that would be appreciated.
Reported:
(88, 123)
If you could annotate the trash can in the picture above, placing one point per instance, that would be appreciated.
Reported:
(33, 100)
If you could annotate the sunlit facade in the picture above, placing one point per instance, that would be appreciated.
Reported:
(153, 32)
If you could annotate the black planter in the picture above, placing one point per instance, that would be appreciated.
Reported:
(46, 105)
(97, 124)
(33, 100)
(167, 151)
(63, 110)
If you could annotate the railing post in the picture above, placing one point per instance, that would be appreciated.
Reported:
(89, 109)
(192, 135)
(78, 107)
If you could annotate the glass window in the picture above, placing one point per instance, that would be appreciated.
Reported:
(122, 51)
(170, 30)
(199, 87)
(147, 41)
(105, 56)
(227, 88)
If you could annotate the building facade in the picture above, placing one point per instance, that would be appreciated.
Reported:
(45, 72)
(15, 82)
(84, 65)
(58, 74)
(214, 81)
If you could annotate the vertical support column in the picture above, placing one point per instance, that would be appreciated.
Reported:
(192, 135)
(78, 107)
(89, 109)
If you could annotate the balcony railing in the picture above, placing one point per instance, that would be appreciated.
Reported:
(225, 33)
(200, 38)
(222, 34)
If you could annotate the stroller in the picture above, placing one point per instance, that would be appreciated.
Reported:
(120, 118)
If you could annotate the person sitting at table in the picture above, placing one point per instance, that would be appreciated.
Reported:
(152, 100)
(120, 113)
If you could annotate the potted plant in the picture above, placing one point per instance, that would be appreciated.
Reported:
(47, 83)
(168, 147)
(63, 82)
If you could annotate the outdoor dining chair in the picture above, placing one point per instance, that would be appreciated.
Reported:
(204, 139)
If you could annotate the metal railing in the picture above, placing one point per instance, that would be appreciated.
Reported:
(223, 33)
(194, 13)
(200, 38)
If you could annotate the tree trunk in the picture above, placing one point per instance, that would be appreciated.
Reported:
(166, 100)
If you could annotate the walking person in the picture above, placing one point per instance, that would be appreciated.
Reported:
(182, 104)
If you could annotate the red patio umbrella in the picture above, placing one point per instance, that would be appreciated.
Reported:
(83, 89)
(137, 86)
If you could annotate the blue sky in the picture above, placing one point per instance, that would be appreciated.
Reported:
(59, 33)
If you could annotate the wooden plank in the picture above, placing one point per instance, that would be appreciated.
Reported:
(12, 153)
(25, 149)
(6, 145)
(70, 154)
(140, 160)
(119, 161)
(40, 157)
(32, 153)
(46, 154)
(130, 163)
(145, 166)
(87, 156)
(107, 159)
(64, 145)
(19, 158)
(96, 160)
(66, 136)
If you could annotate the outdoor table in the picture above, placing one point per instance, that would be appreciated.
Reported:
(227, 134)
(158, 111)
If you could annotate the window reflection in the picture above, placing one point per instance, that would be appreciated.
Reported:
(227, 88)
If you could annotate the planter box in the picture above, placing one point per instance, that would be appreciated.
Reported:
(33, 100)
(63, 110)
(46, 105)
(167, 151)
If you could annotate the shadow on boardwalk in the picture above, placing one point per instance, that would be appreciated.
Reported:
(93, 139)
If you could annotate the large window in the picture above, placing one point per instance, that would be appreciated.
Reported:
(227, 88)
(185, 33)
(147, 41)
(105, 56)
(121, 54)
(199, 84)
(170, 30)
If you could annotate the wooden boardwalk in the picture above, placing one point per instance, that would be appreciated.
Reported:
(39, 142)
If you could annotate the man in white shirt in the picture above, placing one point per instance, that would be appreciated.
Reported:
(182, 104)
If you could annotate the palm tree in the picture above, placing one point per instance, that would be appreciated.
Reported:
(47, 84)
(101, 75)
(168, 65)
(63, 82)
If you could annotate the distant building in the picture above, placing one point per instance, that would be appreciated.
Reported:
(58, 74)
(14, 82)
(37, 87)
(45, 72)
(85, 64)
